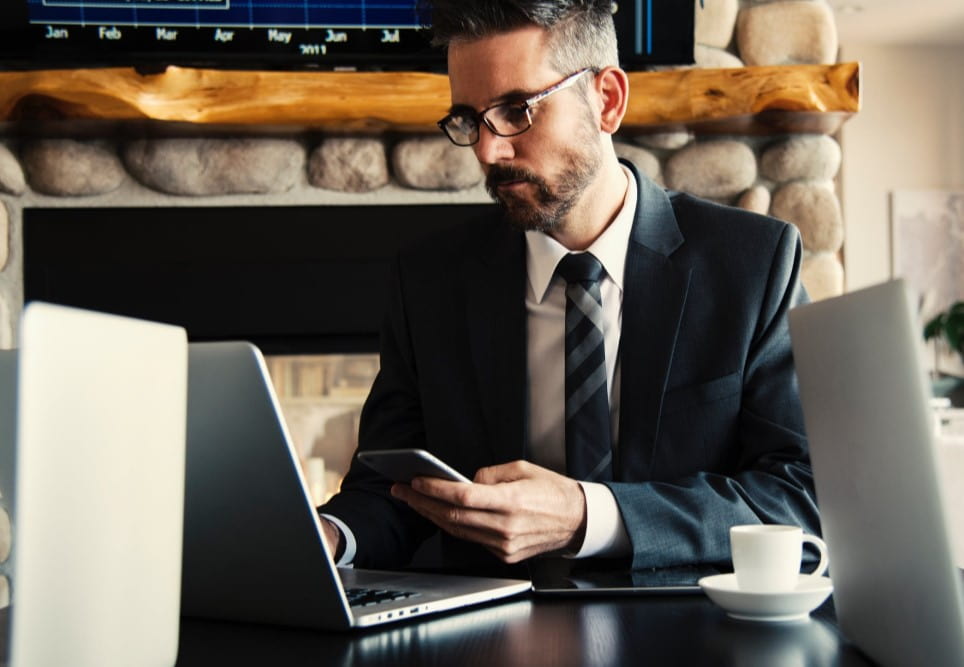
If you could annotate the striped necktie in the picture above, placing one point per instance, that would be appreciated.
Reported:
(588, 439)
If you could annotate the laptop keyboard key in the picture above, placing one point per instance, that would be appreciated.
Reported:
(365, 597)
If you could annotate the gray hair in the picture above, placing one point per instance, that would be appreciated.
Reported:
(580, 33)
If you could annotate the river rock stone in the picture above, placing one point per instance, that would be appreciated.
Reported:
(814, 209)
(670, 141)
(823, 275)
(69, 168)
(714, 22)
(645, 161)
(786, 33)
(801, 158)
(12, 180)
(216, 166)
(349, 164)
(711, 57)
(717, 169)
(756, 199)
(435, 163)
(4, 235)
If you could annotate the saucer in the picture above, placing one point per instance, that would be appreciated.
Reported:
(794, 605)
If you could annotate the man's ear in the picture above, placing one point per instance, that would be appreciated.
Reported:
(612, 86)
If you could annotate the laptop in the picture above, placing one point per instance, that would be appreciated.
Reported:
(253, 545)
(93, 409)
(866, 404)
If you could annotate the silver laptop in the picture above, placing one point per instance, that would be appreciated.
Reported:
(93, 411)
(253, 546)
(865, 398)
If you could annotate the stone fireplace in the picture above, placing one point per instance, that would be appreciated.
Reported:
(82, 166)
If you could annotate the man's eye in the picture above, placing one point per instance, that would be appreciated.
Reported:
(514, 113)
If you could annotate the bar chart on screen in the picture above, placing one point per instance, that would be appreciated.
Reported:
(304, 14)
(246, 32)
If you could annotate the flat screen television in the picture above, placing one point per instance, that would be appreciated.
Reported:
(278, 34)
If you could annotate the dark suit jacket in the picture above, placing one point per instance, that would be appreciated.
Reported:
(710, 434)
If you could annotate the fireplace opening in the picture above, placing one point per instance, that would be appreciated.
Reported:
(306, 284)
(292, 280)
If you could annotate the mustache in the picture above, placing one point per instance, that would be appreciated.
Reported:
(499, 174)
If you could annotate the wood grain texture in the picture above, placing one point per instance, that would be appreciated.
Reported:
(708, 98)
(781, 98)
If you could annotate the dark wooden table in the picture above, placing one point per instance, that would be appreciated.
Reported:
(529, 630)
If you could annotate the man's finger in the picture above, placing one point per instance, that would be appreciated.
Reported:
(442, 512)
(501, 534)
(477, 496)
(507, 472)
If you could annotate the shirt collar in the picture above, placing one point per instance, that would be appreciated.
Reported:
(543, 252)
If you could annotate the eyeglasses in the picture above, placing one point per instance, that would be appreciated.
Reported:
(505, 120)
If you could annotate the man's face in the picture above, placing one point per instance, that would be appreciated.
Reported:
(540, 175)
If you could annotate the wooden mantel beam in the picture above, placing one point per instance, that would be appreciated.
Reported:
(701, 98)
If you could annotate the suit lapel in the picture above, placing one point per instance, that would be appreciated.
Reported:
(655, 293)
(495, 299)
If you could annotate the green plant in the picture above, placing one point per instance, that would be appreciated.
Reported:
(949, 326)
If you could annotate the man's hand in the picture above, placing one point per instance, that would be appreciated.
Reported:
(333, 538)
(516, 510)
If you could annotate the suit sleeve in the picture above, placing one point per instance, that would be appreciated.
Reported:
(387, 531)
(767, 476)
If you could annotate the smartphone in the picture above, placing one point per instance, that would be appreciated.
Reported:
(401, 465)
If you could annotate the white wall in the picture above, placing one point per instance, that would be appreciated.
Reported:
(909, 134)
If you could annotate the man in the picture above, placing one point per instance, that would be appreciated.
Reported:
(701, 425)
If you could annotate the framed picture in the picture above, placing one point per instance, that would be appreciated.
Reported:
(927, 250)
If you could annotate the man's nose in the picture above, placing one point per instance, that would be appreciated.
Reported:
(491, 148)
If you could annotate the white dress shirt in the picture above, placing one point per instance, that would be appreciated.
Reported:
(546, 323)
(546, 320)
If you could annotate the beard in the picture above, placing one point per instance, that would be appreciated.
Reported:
(545, 209)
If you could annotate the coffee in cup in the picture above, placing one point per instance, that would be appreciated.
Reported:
(767, 558)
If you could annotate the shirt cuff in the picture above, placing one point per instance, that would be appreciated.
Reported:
(350, 545)
(605, 533)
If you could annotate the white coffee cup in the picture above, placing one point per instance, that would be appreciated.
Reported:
(766, 558)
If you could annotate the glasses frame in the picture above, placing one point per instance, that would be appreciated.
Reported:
(525, 106)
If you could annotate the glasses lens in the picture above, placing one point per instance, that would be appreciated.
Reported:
(508, 119)
(462, 129)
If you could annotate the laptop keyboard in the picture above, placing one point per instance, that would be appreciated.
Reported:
(366, 597)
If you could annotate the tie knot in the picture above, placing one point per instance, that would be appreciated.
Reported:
(580, 268)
